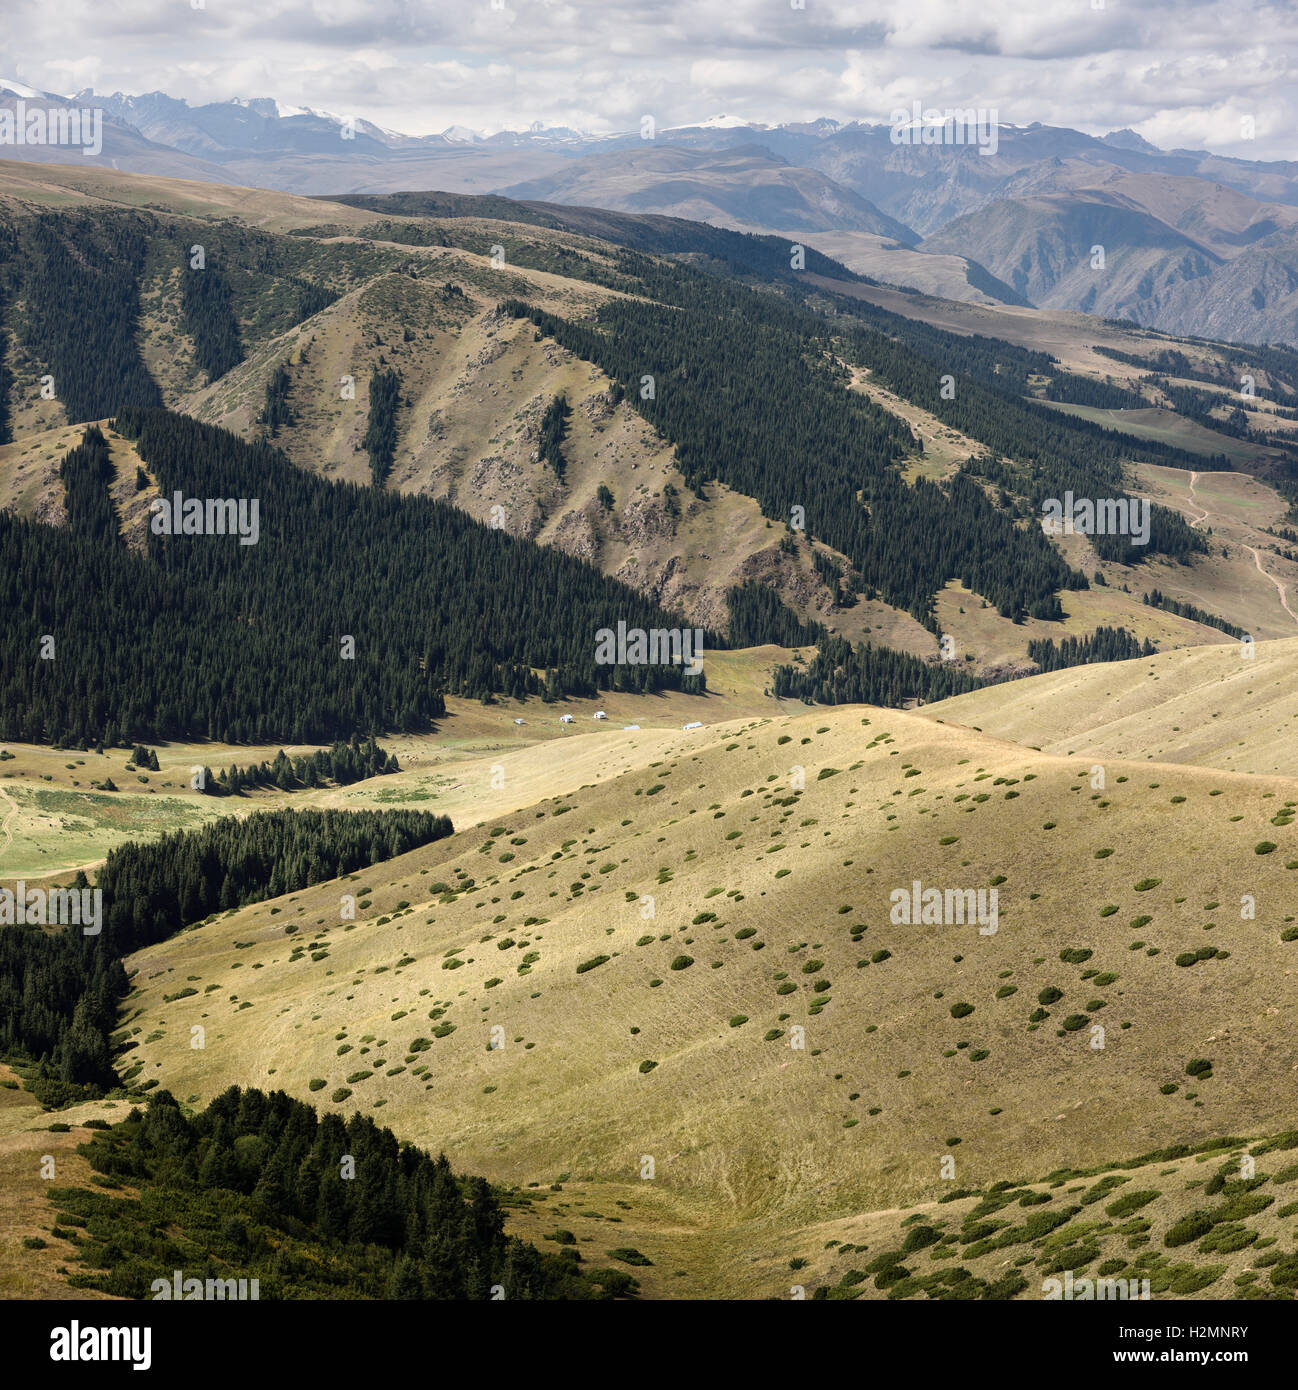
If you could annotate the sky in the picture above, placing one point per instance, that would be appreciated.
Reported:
(1186, 73)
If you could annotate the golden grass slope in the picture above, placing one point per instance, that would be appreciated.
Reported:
(27, 188)
(767, 886)
(1209, 706)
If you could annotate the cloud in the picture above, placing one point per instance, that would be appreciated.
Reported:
(1184, 71)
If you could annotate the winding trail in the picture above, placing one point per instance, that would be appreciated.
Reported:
(4, 826)
(1280, 589)
(1257, 559)
(1203, 516)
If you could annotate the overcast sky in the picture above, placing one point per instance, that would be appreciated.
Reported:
(1181, 72)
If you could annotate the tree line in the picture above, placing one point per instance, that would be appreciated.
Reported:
(1104, 644)
(259, 1186)
(1157, 599)
(338, 766)
(843, 674)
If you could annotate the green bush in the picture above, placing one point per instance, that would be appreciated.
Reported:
(1188, 1228)
(1131, 1201)
(628, 1255)
(1226, 1239)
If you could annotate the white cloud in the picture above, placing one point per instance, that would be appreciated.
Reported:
(1180, 71)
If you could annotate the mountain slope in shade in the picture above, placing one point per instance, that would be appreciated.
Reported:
(1179, 254)
(1045, 248)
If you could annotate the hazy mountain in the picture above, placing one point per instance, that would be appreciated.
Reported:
(1181, 254)
(1193, 242)
(744, 187)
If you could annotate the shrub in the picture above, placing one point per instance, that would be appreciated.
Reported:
(1131, 1201)
(1188, 1228)
(316, 1084)
(1224, 1240)
(591, 964)
(682, 962)
(961, 1010)
(647, 1066)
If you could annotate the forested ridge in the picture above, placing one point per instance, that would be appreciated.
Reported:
(739, 360)
(71, 282)
(202, 637)
(258, 1186)
(741, 252)
(764, 411)
(1054, 453)
(74, 301)
(750, 389)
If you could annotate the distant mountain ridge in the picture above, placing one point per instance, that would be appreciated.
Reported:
(1193, 243)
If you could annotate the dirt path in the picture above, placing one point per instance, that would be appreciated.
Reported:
(1194, 478)
(1257, 559)
(1280, 589)
(4, 826)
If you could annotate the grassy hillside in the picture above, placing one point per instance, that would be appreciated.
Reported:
(394, 1012)
(1208, 707)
